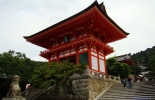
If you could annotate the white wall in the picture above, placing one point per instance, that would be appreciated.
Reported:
(94, 63)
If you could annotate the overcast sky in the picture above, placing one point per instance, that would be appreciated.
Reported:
(20, 18)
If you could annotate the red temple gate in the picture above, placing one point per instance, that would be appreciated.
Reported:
(82, 37)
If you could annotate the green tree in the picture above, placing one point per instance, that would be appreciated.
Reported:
(117, 68)
(44, 77)
(39, 76)
(16, 63)
(10, 63)
(135, 70)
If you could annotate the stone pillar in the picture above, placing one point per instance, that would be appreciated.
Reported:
(87, 71)
(88, 85)
(81, 85)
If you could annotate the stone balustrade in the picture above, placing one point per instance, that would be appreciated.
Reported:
(116, 79)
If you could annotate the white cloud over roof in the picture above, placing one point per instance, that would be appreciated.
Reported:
(20, 18)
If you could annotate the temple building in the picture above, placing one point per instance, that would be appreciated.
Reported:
(81, 38)
(126, 58)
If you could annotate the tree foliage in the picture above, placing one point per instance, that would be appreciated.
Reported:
(146, 58)
(117, 68)
(39, 74)
(44, 77)
(135, 70)
(15, 63)
(12, 63)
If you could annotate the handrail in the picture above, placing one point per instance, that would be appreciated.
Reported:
(25, 91)
(43, 92)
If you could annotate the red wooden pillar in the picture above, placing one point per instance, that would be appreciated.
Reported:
(77, 58)
(105, 65)
(98, 61)
(77, 55)
(57, 58)
(89, 58)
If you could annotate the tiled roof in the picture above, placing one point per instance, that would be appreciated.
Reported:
(100, 7)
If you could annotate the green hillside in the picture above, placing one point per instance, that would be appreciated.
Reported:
(146, 58)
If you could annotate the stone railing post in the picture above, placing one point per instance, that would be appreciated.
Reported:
(87, 71)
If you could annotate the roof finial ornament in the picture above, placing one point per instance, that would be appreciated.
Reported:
(102, 3)
(103, 8)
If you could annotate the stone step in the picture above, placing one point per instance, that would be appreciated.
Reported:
(144, 94)
(132, 98)
(139, 91)
(127, 97)
(142, 85)
(131, 90)
(147, 86)
(135, 87)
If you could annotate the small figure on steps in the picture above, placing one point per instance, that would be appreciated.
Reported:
(130, 82)
(27, 89)
(124, 82)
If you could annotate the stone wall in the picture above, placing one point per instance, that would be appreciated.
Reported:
(91, 85)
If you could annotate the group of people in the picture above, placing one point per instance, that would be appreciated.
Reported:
(129, 82)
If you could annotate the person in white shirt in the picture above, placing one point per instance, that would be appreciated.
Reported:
(27, 88)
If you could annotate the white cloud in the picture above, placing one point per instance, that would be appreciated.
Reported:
(20, 18)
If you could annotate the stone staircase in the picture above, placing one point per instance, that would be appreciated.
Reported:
(139, 91)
